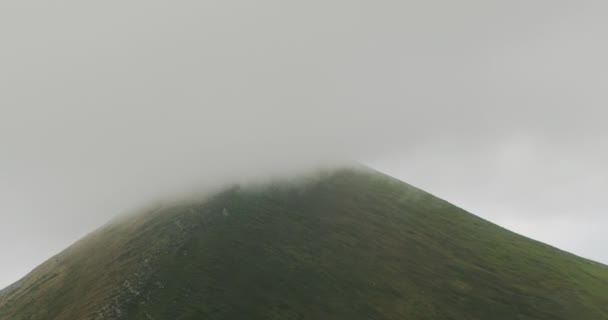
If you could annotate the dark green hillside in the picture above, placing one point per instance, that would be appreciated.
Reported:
(352, 244)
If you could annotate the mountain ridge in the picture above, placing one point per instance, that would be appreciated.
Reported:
(345, 244)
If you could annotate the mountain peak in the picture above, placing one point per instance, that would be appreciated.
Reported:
(341, 244)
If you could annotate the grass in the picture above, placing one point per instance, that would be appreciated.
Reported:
(352, 244)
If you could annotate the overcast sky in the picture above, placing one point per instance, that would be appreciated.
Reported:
(496, 106)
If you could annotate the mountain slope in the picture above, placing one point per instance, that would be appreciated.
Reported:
(350, 244)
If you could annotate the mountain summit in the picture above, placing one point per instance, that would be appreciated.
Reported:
(346, 244)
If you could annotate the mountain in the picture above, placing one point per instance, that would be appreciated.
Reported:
(346, 244)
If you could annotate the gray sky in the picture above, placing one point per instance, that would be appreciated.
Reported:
(496, 106)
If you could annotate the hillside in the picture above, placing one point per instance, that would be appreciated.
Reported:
(349, 244)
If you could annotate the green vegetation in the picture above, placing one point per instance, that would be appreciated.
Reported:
(352, 244)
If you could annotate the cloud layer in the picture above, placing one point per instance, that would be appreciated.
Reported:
(104, 105)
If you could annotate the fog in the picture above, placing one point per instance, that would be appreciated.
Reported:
(496, 106)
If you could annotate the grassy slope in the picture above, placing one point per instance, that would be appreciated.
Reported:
(353, 245)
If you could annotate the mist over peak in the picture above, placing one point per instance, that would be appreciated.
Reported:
(107, 105)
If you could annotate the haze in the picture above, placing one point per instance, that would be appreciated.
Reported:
(495, 106)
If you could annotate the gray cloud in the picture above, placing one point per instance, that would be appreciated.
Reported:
(495, 105)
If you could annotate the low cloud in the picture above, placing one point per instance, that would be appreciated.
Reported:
(105, 105)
